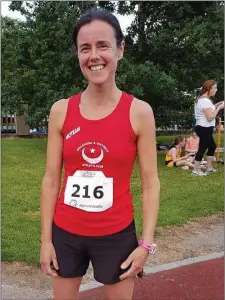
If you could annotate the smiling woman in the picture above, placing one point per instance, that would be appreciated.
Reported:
(100, 45)
(96, 136)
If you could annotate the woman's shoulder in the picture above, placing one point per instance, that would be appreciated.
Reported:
(141, 107)
(173, 149)
(58, 112)
(60, 106)
(204, 99)
(204, 103)
(142, 117)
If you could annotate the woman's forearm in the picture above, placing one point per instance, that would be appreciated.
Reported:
(218, 103)
(214, 114)
(49, 196)
(150, 209)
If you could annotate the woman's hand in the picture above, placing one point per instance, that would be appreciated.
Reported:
(221, 105)
(48, 259)
(136, 261)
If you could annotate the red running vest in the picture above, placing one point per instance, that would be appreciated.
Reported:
(107, 145)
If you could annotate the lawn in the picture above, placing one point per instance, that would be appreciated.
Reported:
(23, 162)
(169, 139)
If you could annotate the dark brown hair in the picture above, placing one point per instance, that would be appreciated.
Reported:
(177, 141)
(102, 15)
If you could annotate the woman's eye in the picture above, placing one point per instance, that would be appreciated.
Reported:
(84, 49)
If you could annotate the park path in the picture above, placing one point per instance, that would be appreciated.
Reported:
(198, 281)
(198, 238)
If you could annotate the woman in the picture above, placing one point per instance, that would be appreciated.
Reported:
(96, 135)
(205, 114)
(173, 158)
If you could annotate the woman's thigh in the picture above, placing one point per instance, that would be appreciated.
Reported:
(109, 252)
(121, 290)
(66, 288)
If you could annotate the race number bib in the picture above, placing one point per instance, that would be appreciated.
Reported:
(89, 191)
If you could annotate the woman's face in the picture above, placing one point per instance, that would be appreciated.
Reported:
(98, 53)
(213, 90)
(194, 135)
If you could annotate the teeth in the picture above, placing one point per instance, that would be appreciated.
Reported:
(97, 68)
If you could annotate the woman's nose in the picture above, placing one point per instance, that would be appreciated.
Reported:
(94, 54)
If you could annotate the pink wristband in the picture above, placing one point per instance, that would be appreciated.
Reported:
(151, 248)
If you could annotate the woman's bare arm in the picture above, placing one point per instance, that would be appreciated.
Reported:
(210, 113)
(148, 170)
(52, 178)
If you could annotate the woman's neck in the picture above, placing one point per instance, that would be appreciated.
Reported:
(206, 95)
(101, 95)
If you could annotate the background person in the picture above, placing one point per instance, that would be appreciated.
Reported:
(191, 146)
(205, 114)
(173, 156)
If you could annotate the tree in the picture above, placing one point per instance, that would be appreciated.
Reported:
(172, 48)
(185, 39)
(40, 65)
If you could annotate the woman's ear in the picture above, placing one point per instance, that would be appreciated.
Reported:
(121, 50)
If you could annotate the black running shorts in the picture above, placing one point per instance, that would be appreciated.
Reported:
(106, 253)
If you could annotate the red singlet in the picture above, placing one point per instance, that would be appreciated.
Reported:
(107, 145)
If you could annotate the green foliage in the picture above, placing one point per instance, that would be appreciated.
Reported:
(185, 39)
(151, 85)
(172, 48)
(39, 63)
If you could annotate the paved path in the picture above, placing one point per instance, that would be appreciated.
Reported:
(198, 281)
(198, 278)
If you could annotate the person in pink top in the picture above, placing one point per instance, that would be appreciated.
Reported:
(192, 144)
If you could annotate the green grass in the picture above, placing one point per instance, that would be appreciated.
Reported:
(23, 164)
(169, 139)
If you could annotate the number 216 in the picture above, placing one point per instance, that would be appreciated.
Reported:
(97, 193)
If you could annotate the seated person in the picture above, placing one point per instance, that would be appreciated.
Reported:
(173, 158)
(191, 146)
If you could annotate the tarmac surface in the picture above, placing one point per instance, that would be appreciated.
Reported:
(197, 278)
(198, 281)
